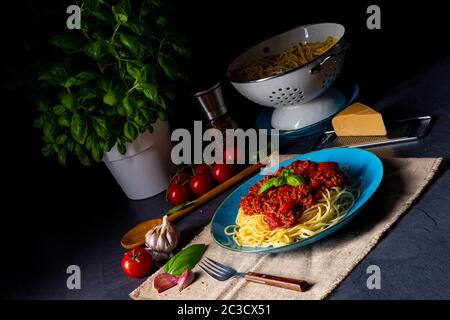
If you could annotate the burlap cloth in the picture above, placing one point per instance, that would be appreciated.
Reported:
(324, 264)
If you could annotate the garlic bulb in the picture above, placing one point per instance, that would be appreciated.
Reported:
(162, 238)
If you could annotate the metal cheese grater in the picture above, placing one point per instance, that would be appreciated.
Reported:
(397, 131)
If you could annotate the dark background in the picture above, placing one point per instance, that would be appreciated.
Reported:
(46, 208)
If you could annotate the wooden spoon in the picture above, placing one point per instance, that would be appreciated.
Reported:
(135, 237)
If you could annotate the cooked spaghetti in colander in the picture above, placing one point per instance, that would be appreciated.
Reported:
(291, 58)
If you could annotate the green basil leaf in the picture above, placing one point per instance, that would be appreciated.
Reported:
(59, 109)
(110, 99)
(89, 142)
(50, 129)
(79, 128)
(279, 181)
(121, 148)
(80, 79)
(130, 131)
(47, 150)
(119, 14)
(97, 153)
(133, 71)
(65, 120)
(150, 91)
(70, 145)
(101, 127)
(161, 102)
(142, 129)
(67, 100)
(130, 105)
(271, 183)
(266, 185)
(104, 145)
(132, 44)
(121, 110)
(286, 173)
(295, 180)
(78, 149)
(169, 66)
(62, 153)
(162, 116)
(55, 75)
(50, 78)
(61, 138)
(180, 49)
(148, 115)
(140, 120)
(95, 49)
(70, 43)
(185, 259)
(55, 147)
(84, 159)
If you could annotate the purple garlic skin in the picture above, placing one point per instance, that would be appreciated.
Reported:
(164, 281)
(185, 279)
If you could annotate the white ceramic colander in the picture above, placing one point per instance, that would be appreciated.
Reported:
(299, 85)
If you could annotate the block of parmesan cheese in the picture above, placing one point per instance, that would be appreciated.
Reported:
(358, 120)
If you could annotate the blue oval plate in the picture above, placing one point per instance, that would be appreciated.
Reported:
(349, 89)
(359, 164)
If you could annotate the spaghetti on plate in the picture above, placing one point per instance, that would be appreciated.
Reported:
(297, 202)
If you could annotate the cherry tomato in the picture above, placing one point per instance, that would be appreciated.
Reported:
(201, 168)
(231, 155)
(136, 263)
(287, 206)
(201, 184)
(178, 193)
(180, 178)
(222, 172)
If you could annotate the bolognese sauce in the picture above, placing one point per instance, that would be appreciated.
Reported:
(282, 206)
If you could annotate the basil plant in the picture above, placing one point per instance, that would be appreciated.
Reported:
(116, 76)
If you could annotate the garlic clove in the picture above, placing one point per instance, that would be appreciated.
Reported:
(185, 279)
(172, 238)
(161, 244)
(164, 281)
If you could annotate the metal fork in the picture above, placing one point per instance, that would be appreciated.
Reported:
(223, 272)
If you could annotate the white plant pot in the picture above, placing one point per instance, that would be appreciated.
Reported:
(145, 169)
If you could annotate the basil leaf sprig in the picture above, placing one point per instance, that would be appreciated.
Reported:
(185, 259)
(285, 178)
